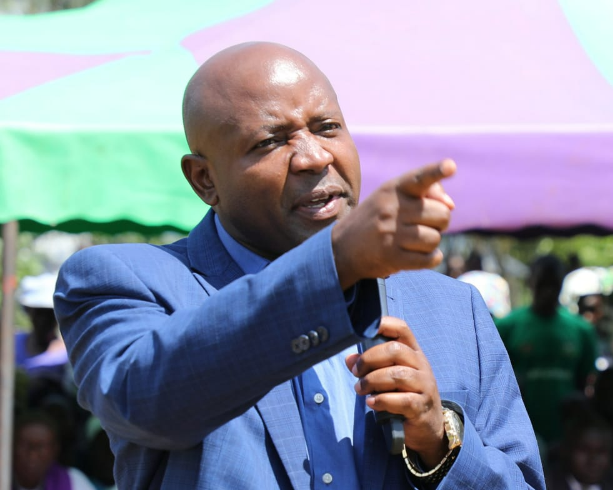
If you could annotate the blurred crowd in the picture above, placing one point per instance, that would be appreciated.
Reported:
(560, 344)
(561, 348)
(57, 444)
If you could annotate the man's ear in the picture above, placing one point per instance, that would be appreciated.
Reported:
(197, 171)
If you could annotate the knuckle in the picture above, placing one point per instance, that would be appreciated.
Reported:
(428, 237)
(394, 349)
(418, 176)
(400, 373)
(432, 387)
(387, 210)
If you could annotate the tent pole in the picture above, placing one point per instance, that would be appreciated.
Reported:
(10, 231)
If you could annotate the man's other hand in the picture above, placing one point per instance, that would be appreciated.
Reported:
(399, 380)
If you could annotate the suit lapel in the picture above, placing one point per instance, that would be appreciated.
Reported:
(214, 268)
(279, 412)
(208, 258)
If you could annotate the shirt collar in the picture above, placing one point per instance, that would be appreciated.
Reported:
(249, 261)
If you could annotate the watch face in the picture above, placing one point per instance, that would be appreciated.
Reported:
(454, 428)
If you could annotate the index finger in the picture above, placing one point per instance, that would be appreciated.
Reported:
(417, 182)
(394, 328)
(396, 331)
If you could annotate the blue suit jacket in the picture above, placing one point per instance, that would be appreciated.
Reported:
(188, 362)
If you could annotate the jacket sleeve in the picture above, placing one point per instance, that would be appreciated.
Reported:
(500, 449)
(163, 374)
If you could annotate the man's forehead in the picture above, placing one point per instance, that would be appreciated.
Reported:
(251, 66)
(285, 72)
(248, 87)
(281, 110)
(269, 95)
(277, 77)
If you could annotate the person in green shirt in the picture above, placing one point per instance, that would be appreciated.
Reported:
(552, 350)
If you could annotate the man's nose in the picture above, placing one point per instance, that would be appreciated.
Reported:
(309, 155)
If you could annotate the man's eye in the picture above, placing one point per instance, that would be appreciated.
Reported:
(329, 126)
(265, 143)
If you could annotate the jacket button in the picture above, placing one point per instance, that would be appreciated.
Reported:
(314, 338)
(296, 349)
(323, 333)
(304, 342)
(301, 344)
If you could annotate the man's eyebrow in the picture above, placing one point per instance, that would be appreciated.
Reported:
(283, 127)
(274, 128)
(324, 116)
(267, 129)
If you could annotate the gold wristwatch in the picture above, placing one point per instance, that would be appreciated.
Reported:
(454, 429)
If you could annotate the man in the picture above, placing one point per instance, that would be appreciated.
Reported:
(552, 350)
(229, 359)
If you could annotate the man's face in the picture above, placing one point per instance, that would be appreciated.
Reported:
(283, 163)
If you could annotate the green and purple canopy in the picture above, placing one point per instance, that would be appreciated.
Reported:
(518, 92)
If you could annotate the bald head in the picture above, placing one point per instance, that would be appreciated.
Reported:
(270, 151)
(236, 74)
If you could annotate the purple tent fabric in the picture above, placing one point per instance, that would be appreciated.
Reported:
(37, 68)
(505, 88)
(527, 116)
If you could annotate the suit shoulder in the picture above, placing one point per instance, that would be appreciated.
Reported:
(432, 283)
(131, 254)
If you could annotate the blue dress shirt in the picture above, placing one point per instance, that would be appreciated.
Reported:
(333, 428)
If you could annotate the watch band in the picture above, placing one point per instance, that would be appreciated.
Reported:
(437, 473)
(454, 429)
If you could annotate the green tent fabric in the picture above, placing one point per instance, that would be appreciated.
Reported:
(95, 143)
(520, 94)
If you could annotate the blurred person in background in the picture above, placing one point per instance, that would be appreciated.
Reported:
(41, 351)
(585, 455)
(584, 292)
(493, 287)
(43, 375)
(603, 394)
(591, 307)
(552, 351)
(454, 265)
(35, 457)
